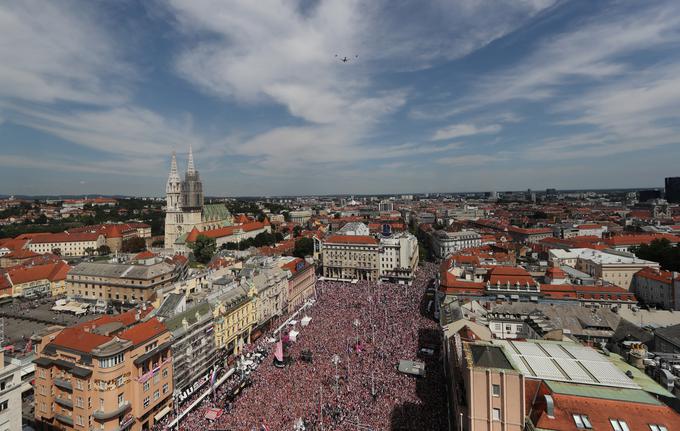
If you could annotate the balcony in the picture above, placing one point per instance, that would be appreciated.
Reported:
(63, 384)
(64, 419)
(101, 415)
(64, 402)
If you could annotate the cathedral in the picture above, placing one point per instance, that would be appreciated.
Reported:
(185, 210)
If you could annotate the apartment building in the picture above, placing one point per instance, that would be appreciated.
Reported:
(550, 385)
(399, 257)
(32, 281)
(234, 317)
(66, 243)
(10, 395)
(444, 242)
(120, 284)
(351, 257)
(271, 287)
(193, 345)
(301, 280)
(110, 374)
(657, 287)
(615, 267)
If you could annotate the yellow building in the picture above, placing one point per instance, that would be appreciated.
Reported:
(38, 280)
(235, 316)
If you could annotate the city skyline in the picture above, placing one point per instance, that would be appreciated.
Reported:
(462, 96)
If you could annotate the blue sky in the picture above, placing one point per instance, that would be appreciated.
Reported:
(446, 95)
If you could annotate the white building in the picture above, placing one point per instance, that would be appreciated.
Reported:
(300, 217)
(10, 396)
(386, 206)
(444, 243)
(398, 257)
(68, 244)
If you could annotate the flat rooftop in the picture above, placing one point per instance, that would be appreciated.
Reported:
(565, 362)
(605, 258)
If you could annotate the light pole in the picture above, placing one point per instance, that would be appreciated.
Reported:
(336, 360)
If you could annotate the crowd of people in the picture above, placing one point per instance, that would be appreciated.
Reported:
(341, 371)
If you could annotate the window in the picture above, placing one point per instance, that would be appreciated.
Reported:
(582, 422)
(165, 388)
(146, 386)
(146, 402)
(619, 425)
(4, 405)
(120, 380)
(79, 420)
(654, 427)
(121, 399)
(111, 361)
(156, 378)
(156, 395)
(496, 390)
(496, 414)
(165, 373)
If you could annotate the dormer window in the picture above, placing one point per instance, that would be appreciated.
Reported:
(582, 422)
(654, 427)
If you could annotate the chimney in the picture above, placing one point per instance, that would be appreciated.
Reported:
(138, 316)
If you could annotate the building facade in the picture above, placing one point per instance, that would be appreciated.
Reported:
(444, 243)
(124, 284)
(350, 257)
(113, 373)
(10, 396)
(301, 280)
(67, 244)
(399, 256)
(235, 317)
(657, 287)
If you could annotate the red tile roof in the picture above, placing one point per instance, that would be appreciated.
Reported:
(82, 338)
(351, 239)
(638, 416)
(144, 331)
(65, 237)
(638, 239)
(655, 274)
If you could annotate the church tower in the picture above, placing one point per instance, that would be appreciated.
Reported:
(192, 188)
(173, 205)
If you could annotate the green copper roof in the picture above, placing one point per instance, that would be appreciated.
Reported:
(602, 392)
(216, 212)
(643, 380)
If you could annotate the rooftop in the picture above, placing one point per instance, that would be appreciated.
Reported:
(566, 362)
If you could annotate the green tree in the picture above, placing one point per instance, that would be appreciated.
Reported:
(89, 251)
(303, 247)
(134, 245)
(56, 251)
(297, 230)
(103, 250)
(661, 251)
(204, 248)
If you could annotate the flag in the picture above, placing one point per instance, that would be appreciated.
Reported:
(213, 377)
(278, 352)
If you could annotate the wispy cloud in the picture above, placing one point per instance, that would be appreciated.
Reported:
(459, 130)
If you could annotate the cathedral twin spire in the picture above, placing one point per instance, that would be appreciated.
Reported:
(187, 194)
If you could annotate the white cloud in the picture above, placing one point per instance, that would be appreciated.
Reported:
(271, 51)
(58, 52)
(460, 130)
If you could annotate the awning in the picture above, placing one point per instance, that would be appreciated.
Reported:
(160, 415)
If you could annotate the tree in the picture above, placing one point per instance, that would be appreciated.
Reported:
(134, 245)
(661, 251)
(297, 230)
(89, 251)
(303, 247)
(204, 248)
(103, 250)
(56, 251)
